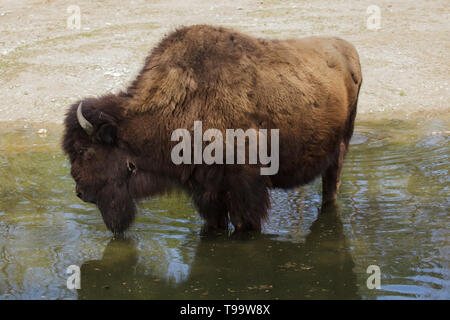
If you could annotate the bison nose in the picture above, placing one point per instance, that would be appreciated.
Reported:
(85, 196)
(78, 192)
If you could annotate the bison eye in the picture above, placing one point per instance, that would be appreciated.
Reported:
(81, 152)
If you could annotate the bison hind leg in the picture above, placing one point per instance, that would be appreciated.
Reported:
(331, 178)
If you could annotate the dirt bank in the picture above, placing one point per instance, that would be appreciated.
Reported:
(45, 66)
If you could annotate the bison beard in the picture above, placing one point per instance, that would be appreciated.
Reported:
(119, 145)
(117, 207)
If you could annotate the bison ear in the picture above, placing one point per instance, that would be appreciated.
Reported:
(107, 133)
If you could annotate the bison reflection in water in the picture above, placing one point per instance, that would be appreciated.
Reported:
(258, 268)
(120, 145)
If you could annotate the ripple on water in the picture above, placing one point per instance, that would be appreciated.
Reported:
(392, 211)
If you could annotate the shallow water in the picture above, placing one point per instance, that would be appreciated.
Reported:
(392, 212)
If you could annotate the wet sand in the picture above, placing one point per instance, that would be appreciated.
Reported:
(45, 66)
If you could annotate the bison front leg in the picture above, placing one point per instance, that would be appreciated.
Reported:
(212, 208)
(248, 201)
(331, 178)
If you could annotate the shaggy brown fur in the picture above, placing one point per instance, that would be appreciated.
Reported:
(307, 88)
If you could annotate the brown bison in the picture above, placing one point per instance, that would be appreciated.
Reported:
(120, 145)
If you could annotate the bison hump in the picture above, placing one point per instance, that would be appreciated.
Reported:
(194, 63)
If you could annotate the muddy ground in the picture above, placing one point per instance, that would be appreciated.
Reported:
(45, 66)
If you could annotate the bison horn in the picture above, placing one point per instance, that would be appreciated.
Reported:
(86, 125)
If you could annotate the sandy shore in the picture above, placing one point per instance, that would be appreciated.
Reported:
(45, 66)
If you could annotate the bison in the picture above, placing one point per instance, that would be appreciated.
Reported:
(119, 145)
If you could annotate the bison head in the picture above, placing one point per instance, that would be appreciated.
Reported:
(101, 163)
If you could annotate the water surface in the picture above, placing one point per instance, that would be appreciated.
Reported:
(392, 212)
